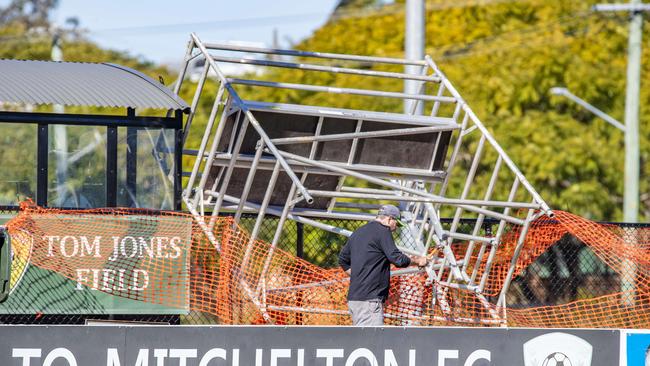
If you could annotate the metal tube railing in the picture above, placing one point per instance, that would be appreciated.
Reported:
(332, 56)
(238, 101)
(324, 68)
(442, 200)
(351, 91)
(363, 135)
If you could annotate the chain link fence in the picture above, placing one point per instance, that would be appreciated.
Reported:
(567, 271)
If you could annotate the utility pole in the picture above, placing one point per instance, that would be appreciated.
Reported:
(413, 49)
(631, 187)
(60, 134)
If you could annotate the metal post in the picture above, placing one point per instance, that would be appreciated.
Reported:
(179, 138)
(413, 48)
(132, 166)
(300, 240)
(479, 220)
(631, 190)
(41, 163)
(195, 100)
(513, 262)
(229, 169)
(204, 141)
(60, 135)
(132, 163)
(631, 196)
(111, 166)
(249, 180)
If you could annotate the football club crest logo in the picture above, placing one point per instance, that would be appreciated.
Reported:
(557, 349)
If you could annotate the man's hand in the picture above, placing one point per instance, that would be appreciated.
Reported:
(420, 261)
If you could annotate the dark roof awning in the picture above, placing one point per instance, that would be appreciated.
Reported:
(83, 84)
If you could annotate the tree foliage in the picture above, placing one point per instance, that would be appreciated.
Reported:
(32, 13)
(503, 57)
(26, 34)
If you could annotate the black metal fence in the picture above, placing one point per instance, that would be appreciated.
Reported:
(567, 271)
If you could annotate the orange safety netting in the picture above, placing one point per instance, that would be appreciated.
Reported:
(168, 258)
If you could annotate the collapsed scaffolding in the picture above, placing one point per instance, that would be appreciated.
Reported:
(308, 162)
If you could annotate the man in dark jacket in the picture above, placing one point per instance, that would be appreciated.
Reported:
(366, 257)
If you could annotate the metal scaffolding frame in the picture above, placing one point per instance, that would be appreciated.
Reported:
(239, 167)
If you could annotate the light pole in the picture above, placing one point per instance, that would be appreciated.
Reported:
(609, 119)
(413, 50)
(636, 8)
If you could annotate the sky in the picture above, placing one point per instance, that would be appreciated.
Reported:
(158, 30)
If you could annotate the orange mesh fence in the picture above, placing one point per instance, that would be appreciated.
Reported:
(170, 259)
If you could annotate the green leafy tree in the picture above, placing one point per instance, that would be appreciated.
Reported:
(27, 34)
(503, 57)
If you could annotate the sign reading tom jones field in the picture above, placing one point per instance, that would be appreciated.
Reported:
(126, 247)
(102, 264)
(304, 346)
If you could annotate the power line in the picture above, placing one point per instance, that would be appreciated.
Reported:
(265, 21)
(230, 23)
(387, 10)
(530, 30)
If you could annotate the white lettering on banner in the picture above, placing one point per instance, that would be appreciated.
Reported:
(145, 279)
(175, 243)
(235, 357)
(91, 249)
(160, 354)
(95, 279)
(69, 246)
(390, 360)
(160, 245)
(26, 354)
(479, 354)
(329, 354)
(361, 353)
(279, 353)
(182, 355)
(112, 280)
(274, 357)
(60, 353)
(123, 247)
(81, 278)
(143, 357)
(50, 244)
(139, 247)
(124, 243)
(75, 246)
(107, 279)
(258, 357)
(445, 354)
(112, 357)
(213, 354)
(301, 357)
